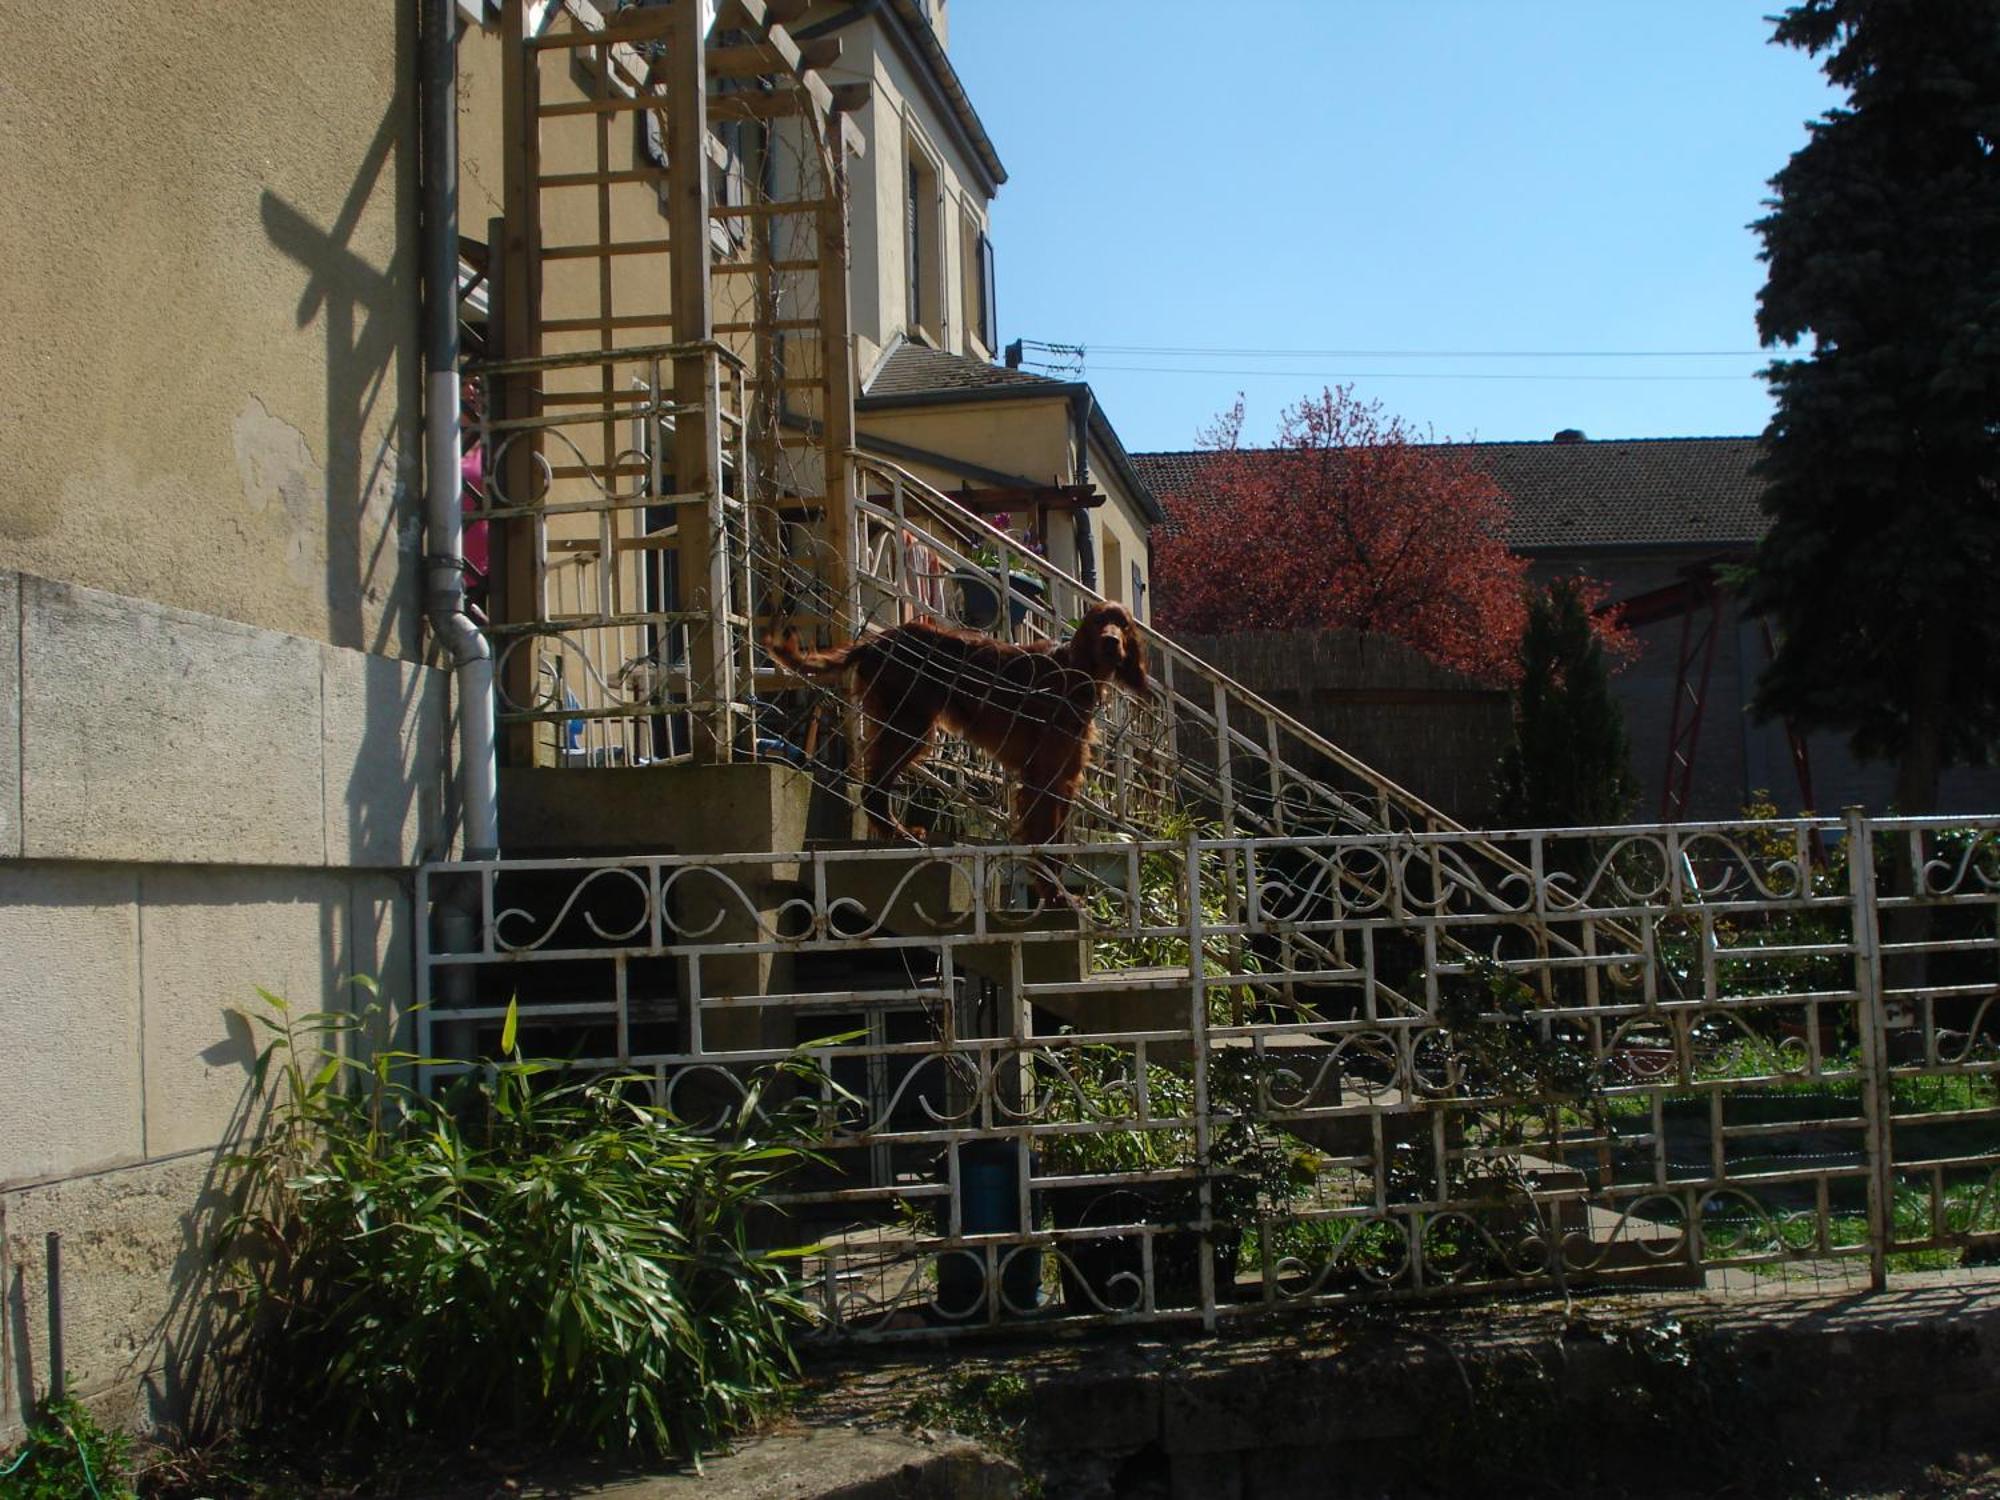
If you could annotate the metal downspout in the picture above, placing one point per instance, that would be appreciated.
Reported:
(444, 520)
(1086, 539)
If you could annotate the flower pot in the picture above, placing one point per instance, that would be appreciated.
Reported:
(989, 1203)
(979, 598)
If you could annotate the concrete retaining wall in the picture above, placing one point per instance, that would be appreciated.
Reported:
(191, 809)
(1664, 1393)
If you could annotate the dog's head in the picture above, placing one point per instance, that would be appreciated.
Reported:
(1107, 645)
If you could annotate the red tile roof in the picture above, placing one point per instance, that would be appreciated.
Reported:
(1583, 494)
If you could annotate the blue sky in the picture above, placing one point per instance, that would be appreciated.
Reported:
(1381, 177)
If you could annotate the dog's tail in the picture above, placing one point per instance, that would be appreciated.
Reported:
(787, 653)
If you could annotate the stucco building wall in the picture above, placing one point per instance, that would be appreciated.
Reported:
(899, 107)
(1123, 523)
(221, 747)
(1032, 439)
(208, 323)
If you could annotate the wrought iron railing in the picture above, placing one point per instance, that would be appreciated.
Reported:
(1264, 1073)
(609, 645)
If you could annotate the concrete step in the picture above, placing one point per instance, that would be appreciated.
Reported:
(905, 890)
(1153, 999)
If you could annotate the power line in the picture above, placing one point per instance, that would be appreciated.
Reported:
(1189, 350)
(1394, 374)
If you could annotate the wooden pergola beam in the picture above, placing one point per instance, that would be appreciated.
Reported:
(760, 106)
(756, 59)
(771, 17)
(1029, 497)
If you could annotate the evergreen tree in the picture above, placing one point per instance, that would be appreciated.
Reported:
(1569, 763)
(1883, 245)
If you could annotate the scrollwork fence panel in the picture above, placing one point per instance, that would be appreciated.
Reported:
(1232, 1075)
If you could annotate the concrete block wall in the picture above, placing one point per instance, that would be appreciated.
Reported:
(1434, 732)
(191, 809)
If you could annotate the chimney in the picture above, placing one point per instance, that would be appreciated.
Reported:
(1571, 435)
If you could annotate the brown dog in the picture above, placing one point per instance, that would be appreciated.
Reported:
(1030, 707)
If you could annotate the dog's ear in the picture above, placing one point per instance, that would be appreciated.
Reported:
(1131, 672)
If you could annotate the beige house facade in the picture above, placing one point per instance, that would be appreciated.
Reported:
(221, 736)
(227, 739)
(926, 313)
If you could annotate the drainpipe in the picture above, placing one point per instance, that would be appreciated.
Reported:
(1086, 540)
(444, 520)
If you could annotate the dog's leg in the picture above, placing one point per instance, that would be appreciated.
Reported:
(891, 751)
(1042, 805)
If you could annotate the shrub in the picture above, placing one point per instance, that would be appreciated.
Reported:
(560, 1256)
(66, 1455)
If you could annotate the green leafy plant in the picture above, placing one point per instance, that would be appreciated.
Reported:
(1161, 901)
(67, 1455)
(1251, 1168)
(1502, 1048)
(1095, 1086)
(523, 1251)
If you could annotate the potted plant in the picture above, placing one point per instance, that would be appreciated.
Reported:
(989, 1175)
(979, 595)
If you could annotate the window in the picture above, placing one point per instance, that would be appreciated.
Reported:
(1138, 593)
(923, 257)
(976, 260)
(727, 187)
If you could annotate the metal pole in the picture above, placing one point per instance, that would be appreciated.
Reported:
(1198, 1029)
(1874, 1040)
(57, 1378)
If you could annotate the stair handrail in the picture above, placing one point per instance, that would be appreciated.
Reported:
(1432, 819)
(1426, 818)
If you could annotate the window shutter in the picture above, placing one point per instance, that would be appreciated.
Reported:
(911, 248)
(989, 320)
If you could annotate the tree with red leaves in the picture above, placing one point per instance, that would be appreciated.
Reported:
(1345, 523)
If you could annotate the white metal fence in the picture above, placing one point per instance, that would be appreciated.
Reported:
(1248, 1073)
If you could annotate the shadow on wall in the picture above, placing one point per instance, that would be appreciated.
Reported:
(206, 1378)
(189, 1367)
(372, 443)
(151, 1331)
(373, 378)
